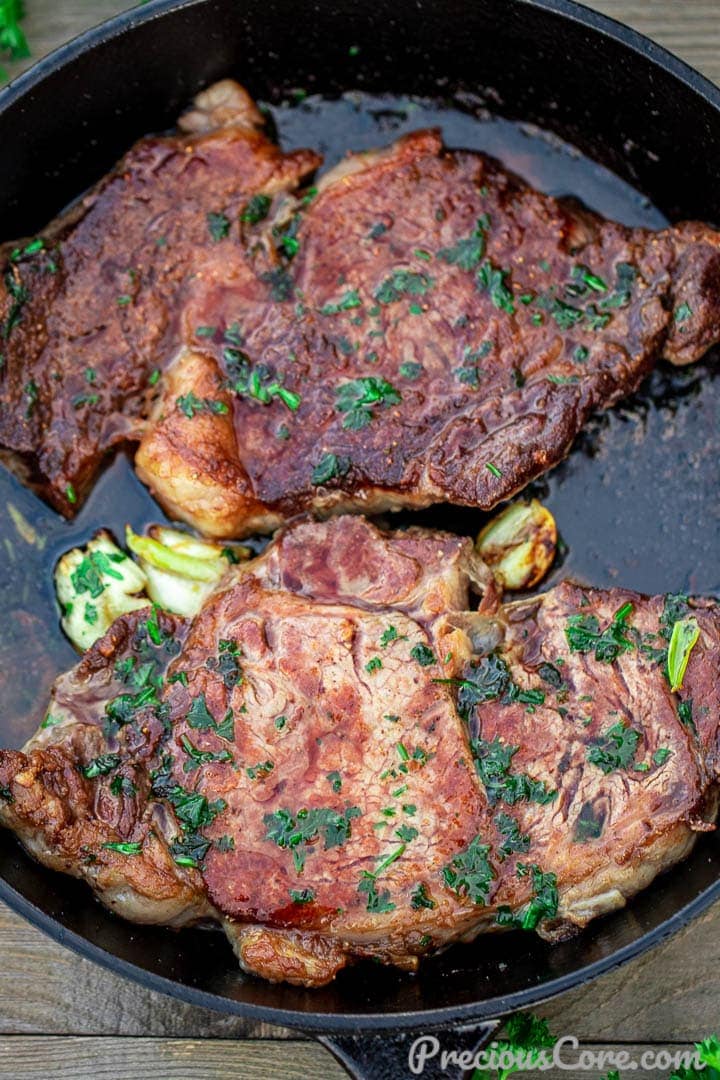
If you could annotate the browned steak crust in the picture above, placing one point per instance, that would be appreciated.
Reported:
(344, 760)
(79, 793)
(425, 328)
(89, 314)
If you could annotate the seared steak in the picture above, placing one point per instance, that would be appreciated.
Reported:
(344, 760)
(90, 310)
(421, 327)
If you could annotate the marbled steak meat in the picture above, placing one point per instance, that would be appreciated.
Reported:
(421, 327)
(338, 758)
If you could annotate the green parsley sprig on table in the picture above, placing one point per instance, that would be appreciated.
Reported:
(525, 1036)
(13, 44)
(528, 1040)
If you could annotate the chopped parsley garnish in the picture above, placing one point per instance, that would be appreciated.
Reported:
(218, 225)
(543, 905)
(684, 637)
(125, 708)
(584, 635)
(469, 873)
(390, 634)
(256, 209)
(565, 315)
(20, 296)
(233, 334)
(349, 300)
(226, 664)
(358, 399)
(467, 252)
(88, 576)
(562, 380)
(335, 780)
(260, 771)
(81, 400)
(373, 664)
(280, 282)
(225, 843)
(488, 680)
(298, 832)
(551, 675)
(615, 749)
(682, 313)
(199, 716)
(330, 467)
(131, 848)
(513, 840)
(193, 812)
(493, 763)
(420, 898)
(377, 902)
(493, 470)
(100, 766)
(189, 404)
(226, 729)
(675, 607)
(302, 896)
(197, 757)
(189, 849)
(423, 655)
(286, 238)
(592, 281)
(491, 279)
(403, 283)
(661, 755)
(589, 823)
(122, 785)
(594, 319)
(258, 383)
(411, 370)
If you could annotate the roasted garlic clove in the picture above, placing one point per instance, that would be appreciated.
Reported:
(95, 585)
(181, 570)
(519, 544)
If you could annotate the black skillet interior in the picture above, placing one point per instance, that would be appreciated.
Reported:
(636, 501)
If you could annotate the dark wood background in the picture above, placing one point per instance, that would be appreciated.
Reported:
(62, 1017)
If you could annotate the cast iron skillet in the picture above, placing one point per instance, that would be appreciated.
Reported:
(637, 500)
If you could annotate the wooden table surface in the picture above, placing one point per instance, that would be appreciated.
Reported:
(61, 1016)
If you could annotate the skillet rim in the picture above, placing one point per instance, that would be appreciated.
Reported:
(330, 1023)
(336, 1022)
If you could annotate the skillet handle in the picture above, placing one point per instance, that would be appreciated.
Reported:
(399, 1055)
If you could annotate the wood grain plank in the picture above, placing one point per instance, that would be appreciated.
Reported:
(671, 992)
(26, 1058)
(45, 988)
(690, 28)
(29, 1058)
